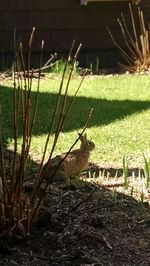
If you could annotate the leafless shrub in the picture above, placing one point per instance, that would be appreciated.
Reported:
(137, 42)
(18, 210)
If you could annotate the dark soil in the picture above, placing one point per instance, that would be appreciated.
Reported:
(84, 225)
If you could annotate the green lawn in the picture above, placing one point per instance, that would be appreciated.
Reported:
(120, 123)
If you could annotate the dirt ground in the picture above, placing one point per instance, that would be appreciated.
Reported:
(86, 224)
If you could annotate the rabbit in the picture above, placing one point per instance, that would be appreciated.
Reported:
(64, 166)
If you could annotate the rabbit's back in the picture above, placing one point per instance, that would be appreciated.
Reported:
(75, 162)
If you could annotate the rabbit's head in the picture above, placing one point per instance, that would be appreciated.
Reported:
(85, 143)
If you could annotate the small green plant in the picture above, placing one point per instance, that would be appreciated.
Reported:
(59, 65)
(125, 171)
(97, 67)
(147, 170)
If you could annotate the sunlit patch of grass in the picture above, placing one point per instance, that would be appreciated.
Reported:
(120, 123)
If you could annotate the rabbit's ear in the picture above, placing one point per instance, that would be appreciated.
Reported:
(82, 137)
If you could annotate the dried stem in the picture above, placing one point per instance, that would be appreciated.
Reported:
(138, 54)
(124, 54)
(2, 161)
(15, 127)
(55, 115)
(20, 210)
(37, 94)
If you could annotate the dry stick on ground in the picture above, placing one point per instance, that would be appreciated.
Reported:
(53, 56)
(46, 65)
(31, 72)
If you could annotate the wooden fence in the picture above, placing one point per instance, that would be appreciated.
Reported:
(58, 22)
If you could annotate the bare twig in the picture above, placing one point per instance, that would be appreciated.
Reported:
(137, 51)
(2, 161)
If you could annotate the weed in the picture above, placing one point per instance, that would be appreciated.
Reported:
(59, 65)
(125, 171)
(147, 170)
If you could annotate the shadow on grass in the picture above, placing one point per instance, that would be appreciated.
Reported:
(105, 111)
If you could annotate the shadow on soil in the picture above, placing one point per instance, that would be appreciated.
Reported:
(82, 224)
(105, 111)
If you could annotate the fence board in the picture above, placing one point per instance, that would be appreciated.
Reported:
(58, 22)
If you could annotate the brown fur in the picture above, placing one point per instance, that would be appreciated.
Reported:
(75, 162)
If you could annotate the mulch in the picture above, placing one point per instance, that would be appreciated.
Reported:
(84, 224)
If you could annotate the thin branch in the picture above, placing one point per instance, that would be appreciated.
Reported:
(37, 94)
(2, 160)
(125, 55)
(55, 114)
(134, 28)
